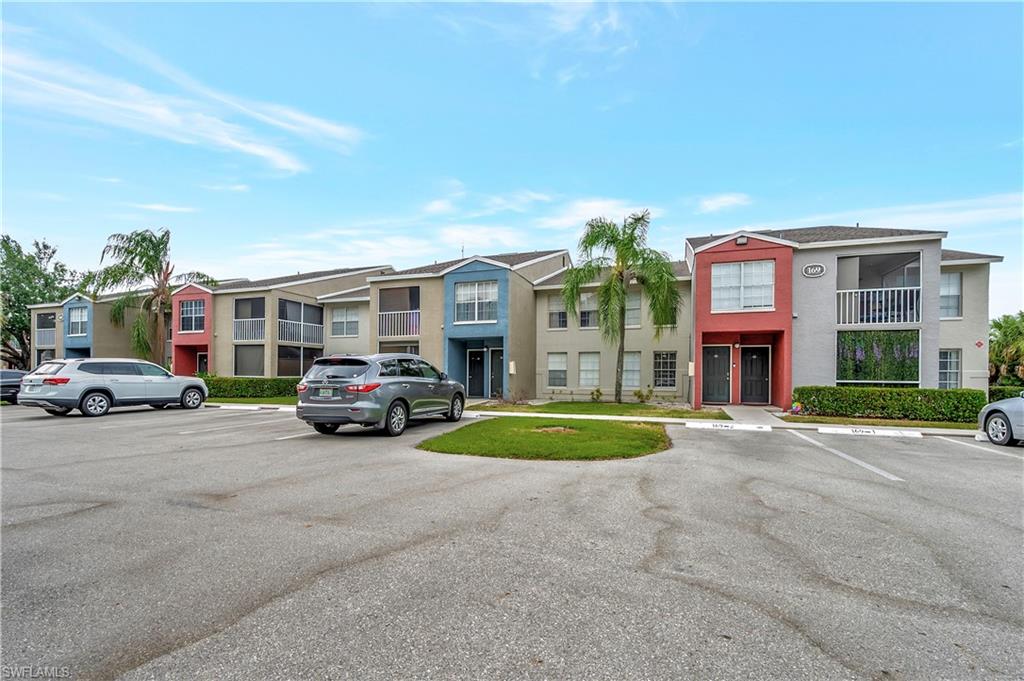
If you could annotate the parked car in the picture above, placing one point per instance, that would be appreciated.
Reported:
(93, 386)
(10, 384)
(1003, 421)
(381, 391)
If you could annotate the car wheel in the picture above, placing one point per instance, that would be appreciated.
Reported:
(455, 411)
(326, 428)
(397, 419)
(95, 404)
(192, 398)
(63, 411)
(997, 427)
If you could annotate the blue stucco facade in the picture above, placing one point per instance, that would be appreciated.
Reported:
(486, 336)
(79, 345)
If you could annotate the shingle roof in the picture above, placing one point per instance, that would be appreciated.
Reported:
(678, 266)
(948, 254)
(301, 276)
(810, 235)
(511, 259)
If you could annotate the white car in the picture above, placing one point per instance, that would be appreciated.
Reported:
(1003, 421)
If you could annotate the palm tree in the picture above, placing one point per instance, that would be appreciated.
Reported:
(620, 256)
(1006, 348)
(142, 269)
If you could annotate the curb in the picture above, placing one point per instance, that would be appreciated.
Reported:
(248, 407)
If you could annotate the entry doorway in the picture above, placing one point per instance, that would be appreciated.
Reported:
(755, 374)
(716, 365)
(497, 373)
(202, 363)
(475, 384)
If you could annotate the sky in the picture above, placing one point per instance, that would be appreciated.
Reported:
(272, 139)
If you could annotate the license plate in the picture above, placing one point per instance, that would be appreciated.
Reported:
(325, 392)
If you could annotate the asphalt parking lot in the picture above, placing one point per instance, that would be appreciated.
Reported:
(239, 545)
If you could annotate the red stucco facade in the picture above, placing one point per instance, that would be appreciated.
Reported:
(188, 346)
(755, 329)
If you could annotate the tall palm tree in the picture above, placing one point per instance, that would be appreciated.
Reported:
(141, 268)
(619, 256)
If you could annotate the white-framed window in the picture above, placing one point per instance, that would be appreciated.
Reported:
(737, 286)
(557, 318)
(193, 315)
(949, 294)
(558, 369)
(588, 311)
(345, 321)
(664, 369)
(476, 301)
(631, 370)
(633, 317)
(949, 368)
(590, 369)
(78, 320)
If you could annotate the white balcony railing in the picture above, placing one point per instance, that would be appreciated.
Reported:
(250, 329)
(46, 338)
(879, 306)
(404, 323)
(300, 332)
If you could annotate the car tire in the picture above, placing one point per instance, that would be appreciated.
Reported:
(192, 398)
(455, 410)
(63, 411)
(997, 428)
(94, 404)
(326, 428)
(396, 420)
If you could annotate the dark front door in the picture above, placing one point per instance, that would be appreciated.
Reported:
(475, 373)
(202, 363)
(754, 367)
(497, 374)
(715, 374)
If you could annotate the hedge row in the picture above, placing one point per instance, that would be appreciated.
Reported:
(1002, 392)
(918, 404)
(230, 386)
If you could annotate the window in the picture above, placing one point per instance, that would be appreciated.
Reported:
(193, 315)
(408, 367)
(590, 369)
(558, 364)
(949, 368)
(631, 370)
(78, 317)
(664, 369)
(289, 310)
(250, 308)
(47, 320)
(121, 369)
(737, 286)
(557, 318)
(588, 311)
(312, 314)
(289, 360)
(410, 348)
(345, 321)
(153, 370)
(248, 360)
(633, 308)
(949, 294)
(388, 368)
(476, 301)
(338, 367)
(428, 371)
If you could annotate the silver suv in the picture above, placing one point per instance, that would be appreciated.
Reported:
(381, 391)
(93, 386)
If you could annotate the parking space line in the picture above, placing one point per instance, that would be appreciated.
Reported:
(159, 419)
(243, 424)
(289, 437)
(847, 457)
(984, 449)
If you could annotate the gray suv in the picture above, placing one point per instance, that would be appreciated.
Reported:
(382, 391)
(93, 386)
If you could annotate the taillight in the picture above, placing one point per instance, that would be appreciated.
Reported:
(301, 387)
(56, 380)
(366, 388)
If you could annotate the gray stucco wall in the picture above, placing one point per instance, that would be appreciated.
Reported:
(814, 310)
(965, 332)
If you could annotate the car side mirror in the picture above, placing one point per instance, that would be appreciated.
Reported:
(444, 377)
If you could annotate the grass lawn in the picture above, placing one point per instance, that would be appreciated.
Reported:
(292, 399)
(608, 408)
(553, 439)
(895, 423)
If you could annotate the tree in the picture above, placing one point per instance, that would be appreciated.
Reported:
(619, 255)
(1006, 349)
(142, 270)
(28, 279)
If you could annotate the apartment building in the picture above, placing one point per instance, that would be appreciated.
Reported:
(574, 360)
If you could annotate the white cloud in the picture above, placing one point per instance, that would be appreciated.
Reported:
(107, 180)
(481, 239)
(163, 208)
(227, 187)
(575, 214)
(438, 206)
(713, 204)
(566, 75)
(273, 258)
(49, 196)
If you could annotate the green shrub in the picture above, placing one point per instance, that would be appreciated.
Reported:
(1002, 392)
(232, 386)
(917, 404)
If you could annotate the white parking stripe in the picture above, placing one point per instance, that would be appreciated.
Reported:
(131, 423)
(241, 424)
(984, 449)
(851, 459)
(289, 437)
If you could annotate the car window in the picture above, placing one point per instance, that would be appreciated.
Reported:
(120, 369)
(151, 370)
(407, 367)
(93, 367)
(388, 368)
(49, 368)
(428, 371)
(337, 367)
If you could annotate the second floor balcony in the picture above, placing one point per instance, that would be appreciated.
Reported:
(250, 330)
(46, 338)
(303, 333)
(399, 323)
(897, 305)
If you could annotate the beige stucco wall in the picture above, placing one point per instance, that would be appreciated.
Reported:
(575, 340)
(358, 345)
(109, 340)
(431, 338)
(522, 335)
(544, 267)
(965, 332)
(58, 347)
